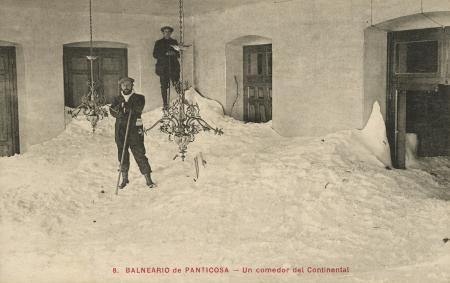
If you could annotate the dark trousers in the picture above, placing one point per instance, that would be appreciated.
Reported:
(165, 84)
(138, 150)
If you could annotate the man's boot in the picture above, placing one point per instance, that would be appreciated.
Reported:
(125, 180)
(148, 180)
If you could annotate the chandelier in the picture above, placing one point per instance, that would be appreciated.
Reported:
(93, 102)
(182, 120)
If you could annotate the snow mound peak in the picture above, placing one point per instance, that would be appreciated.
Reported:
(373, 136)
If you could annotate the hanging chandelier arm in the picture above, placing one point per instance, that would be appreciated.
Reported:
(92, 101)
(182, 120)
(154, 125)
(76, 111)
(192, 120)
(170, 120)
(202, 123)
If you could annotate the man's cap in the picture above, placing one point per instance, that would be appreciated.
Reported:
(167, 27)
(126, 79)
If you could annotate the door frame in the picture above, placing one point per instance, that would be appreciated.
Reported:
(14, 105)
(398, 84)
(97, 51)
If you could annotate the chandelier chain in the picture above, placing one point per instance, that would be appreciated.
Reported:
(181, 22)
(182, 120)
(181, 50)
(90, 27)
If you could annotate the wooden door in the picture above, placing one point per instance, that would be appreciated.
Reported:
(417, 93)
(258, 83)
(109, 67)
(9, 122)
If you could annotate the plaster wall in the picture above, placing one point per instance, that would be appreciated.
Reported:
(375, 66)
(321, 82)
(328, 66)
(39, 35)
(375, 53)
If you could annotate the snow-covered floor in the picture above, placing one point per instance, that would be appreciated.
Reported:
(261, 201)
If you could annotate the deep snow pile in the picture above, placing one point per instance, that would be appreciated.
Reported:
(261, 201)
(373, 136)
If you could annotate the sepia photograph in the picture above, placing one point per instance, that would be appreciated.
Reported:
(229, 141)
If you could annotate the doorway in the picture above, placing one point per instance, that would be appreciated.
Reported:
(9, 120)
(109, 67)
(419, 92)
(257, 83)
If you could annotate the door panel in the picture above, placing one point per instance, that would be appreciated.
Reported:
(79, 86)
(9, 122)
(108, 68)
(251, 113)
(258, 83)
(262, 112)
(113, 67)
(428, 115)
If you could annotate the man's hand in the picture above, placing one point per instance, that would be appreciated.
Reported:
(170, 53)
(175, 47)
(115, 111)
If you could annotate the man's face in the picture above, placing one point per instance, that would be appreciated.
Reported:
(167, 33)
(126, 87)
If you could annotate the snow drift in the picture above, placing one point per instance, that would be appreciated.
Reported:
(374, 138)
(261, 201)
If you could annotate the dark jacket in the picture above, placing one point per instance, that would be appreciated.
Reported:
(159, 53)
(120, 110)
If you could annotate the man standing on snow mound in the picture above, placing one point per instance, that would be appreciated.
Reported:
(167, 65)
(125, 103)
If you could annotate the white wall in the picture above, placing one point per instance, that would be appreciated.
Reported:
(314, 69)
(212, 33)
(318, 57)
(322, 81)
(40, 35)
(375, 66)
(375, 53)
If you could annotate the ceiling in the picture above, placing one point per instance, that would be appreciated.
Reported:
(149, 7)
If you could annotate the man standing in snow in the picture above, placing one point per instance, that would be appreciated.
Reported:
(167, 65)
(130, 103)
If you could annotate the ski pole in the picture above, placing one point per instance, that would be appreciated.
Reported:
(123, 151)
